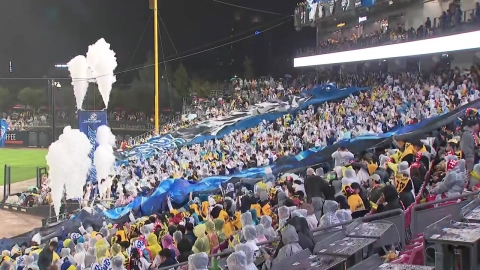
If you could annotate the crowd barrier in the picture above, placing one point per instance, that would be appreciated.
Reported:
(422, 218)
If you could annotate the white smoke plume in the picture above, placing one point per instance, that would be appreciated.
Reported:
(102, 61)
(104, 159)
(80, 73)
(69, 165)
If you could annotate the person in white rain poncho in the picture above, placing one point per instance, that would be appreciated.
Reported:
(79, 256)
(246, 219)
(6, 266)
(90, 258)
(329, 218)
(198, 261)
(283, 216)
(270, 233)
(250, 234)
(250, 255)
(290, 248)
(260, 233)
(117, 263)
(237, 261)
(30, 263)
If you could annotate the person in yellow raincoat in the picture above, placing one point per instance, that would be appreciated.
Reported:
(202, 244)
(232, 223)
(116, 250)
(102, 250)
(152, 245)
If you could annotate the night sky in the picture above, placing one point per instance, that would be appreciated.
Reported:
(37, 34)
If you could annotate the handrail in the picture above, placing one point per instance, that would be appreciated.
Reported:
(452, 198)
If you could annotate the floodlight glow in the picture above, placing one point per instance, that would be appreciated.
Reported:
(451, 43)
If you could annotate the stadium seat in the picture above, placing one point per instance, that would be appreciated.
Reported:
(402, 259)
(416, 256)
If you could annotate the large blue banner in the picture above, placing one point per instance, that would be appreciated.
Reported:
(88, 123)
(3, 132)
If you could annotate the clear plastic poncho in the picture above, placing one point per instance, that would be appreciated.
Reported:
(249, 233)
(249, 254)
(80, 253)
(246, 219)
(91, 251)
(92, 242)
(198, 261)
(104, 232)
(300, 213)
(117, 263)
(237, 261)
(283, 216)
(270, 233)
(329, 217)
(89, 260)
(6, 265)
(102, 252)
(343, 216)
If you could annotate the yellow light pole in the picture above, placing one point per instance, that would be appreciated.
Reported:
(154, 6)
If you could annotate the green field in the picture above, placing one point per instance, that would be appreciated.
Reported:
(23, 163)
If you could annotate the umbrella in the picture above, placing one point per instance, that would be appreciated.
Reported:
(294, 177)
(233, 79)
(288, 76)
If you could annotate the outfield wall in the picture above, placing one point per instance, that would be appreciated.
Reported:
(42, 137)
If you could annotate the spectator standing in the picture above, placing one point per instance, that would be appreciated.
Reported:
(342, 156)
(45, 257)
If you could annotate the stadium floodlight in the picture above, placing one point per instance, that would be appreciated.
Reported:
(465, 41)
(61, 66)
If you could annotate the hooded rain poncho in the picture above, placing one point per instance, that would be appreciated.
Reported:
(212, 236)
(246, 219)
(117, 263)
(202, 244)
(153, 246)
(80, 253)
(329, 218)
(219, 229)
(249, 254)
(291, 245)
(237, 261)
(198, 261)
(283, 216)
(270, 233)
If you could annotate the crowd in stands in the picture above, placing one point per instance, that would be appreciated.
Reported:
(288, 207)
(355, 183)
(450, 19)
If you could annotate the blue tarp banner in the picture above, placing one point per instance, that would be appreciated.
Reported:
(88, 123)
(179, 189)
(3, 132)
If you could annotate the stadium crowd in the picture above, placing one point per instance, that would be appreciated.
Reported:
(448, 21)
(288, 206)
(354, 184)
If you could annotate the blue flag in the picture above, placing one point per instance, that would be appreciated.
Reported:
(88, 123)
(3, 132)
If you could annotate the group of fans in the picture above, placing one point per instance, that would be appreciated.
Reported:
(291, 205)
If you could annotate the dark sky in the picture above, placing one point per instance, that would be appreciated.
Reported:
(36, 34)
